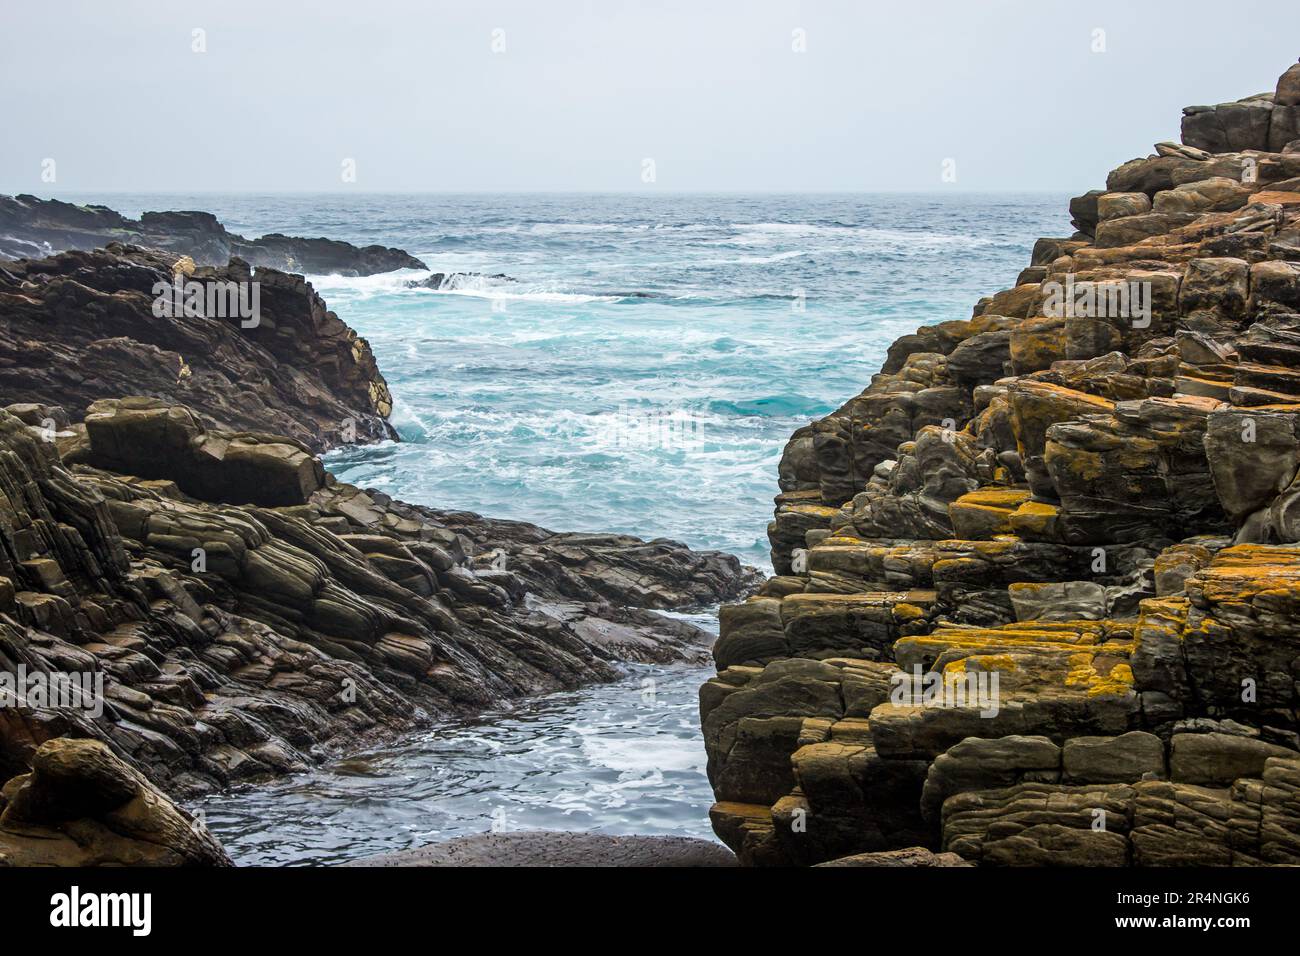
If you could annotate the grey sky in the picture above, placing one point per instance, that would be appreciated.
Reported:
(585, 91)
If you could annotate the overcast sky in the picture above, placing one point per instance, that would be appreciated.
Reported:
(577, 95)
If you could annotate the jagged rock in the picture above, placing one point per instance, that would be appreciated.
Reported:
(1177, 563)
(167, 533)
(1213, 293)
(1085, 211)
(1228, 127)
(1138, 473)
(1035, 407)
(246, 615)
(440, 281)
(152, 439)
(604, 568)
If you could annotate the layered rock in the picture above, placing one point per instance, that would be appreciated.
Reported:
(1037, 584)
(245, 614)
(83, 806)
(33, 228)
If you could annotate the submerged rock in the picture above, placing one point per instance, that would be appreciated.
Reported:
(442, 281)
(1038, 598)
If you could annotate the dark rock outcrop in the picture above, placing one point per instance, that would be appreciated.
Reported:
(1038, 592)
(442, 281)
(81, 326)
(33, 228)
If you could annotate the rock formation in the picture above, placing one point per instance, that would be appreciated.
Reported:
(33, 228)
(1038, 586)
(188, 600)
(445, 281)
(81, 326)
(83, 806)
(248, 614)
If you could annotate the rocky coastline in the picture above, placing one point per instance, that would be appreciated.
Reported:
(1038, 587)
(1037, 591)
(229, 609)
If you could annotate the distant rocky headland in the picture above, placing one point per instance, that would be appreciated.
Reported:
(1038, 586)
(189, 600)
(34, 228)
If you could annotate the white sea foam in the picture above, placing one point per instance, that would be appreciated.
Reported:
(524, 295)
(642, 754)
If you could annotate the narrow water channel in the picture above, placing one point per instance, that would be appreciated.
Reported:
(620, 758)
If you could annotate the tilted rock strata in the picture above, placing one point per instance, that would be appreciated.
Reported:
(81, 326)
(33, 228)
(1099, 509)
(248, 614)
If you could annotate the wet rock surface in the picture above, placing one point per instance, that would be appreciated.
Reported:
(33, 228)
(1038, 585)
(188, 600)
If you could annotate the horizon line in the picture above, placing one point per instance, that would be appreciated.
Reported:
(529, 192)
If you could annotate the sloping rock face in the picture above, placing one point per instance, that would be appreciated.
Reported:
(32, 228)
(1038, 592)
(82, 326)
(212, 607)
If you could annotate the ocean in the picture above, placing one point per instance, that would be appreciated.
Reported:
(646, 357)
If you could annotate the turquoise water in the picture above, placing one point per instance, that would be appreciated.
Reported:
(644, 369)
